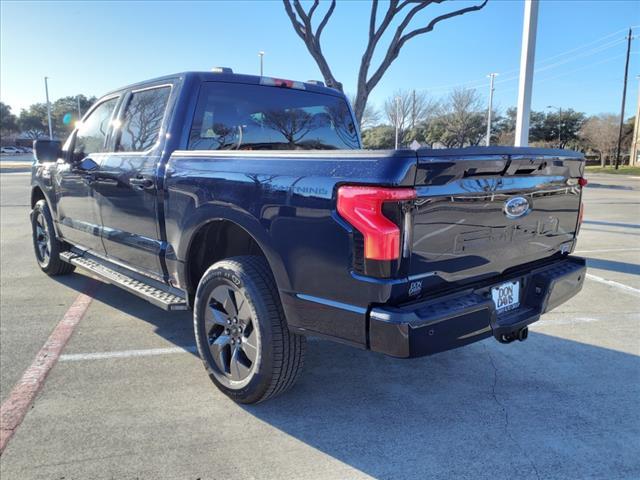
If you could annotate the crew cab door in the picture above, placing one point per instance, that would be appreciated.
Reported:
(127, 188)
(77, 209)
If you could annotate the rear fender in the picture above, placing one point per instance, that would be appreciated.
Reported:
(211, 213)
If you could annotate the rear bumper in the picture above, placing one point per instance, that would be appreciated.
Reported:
(465, 317)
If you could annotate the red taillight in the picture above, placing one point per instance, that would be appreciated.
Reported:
(582, 182)
(362, 208)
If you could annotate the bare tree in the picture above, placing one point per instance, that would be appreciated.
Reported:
(293, 124)
(601, 133)
(143, 119)
(460, 121)
(370, 116)
(406, 109)
(404, 11)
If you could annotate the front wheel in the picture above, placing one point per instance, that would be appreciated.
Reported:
(46, 245)
(241, 331)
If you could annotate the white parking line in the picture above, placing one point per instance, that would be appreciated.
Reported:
(16, 406)
(633, 291)
(75, 357)
(604, 250)
(564, 321)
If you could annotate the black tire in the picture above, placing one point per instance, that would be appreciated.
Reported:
(46, 245)
(278, 358)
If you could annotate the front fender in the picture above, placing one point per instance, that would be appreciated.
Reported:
(42, 175)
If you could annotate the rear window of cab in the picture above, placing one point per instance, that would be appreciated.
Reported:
(236, 116)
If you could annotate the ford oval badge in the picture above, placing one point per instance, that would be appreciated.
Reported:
(516, 207)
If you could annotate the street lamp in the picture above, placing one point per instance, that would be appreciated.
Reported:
(397, 119)
(559, 123)
(261, 55)
(492, 76)
(46, 91)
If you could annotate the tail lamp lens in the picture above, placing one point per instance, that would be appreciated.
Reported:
(362, 208)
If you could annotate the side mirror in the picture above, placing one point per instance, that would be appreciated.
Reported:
(47, 150)
(87, 164)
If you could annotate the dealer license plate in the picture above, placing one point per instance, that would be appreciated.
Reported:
(506, 296)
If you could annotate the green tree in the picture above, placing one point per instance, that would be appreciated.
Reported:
(380, 137)
(551, 129)
(33, 121)
(561, 129)
(8, 121)
(64, 113)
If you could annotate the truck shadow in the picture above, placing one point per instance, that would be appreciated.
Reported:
(177, 327)
(611, 224)
(614, 266)
(610, 186)
(549, 407)
(545, 408)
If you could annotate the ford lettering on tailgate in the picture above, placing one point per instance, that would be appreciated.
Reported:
(493, 237)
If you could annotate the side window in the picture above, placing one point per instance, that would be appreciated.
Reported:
(142, 119)
(92, 133)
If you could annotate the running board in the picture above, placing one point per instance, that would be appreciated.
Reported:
(153, 294)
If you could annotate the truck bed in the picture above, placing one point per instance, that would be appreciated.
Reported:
(459, 234)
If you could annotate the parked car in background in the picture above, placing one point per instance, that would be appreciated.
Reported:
(13, 150)
(250, 200)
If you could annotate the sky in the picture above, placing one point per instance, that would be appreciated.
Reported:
(93, 47)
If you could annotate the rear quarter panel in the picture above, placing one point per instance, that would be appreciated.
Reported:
(286, 201)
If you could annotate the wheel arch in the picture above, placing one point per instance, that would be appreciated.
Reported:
(219, 238)
(37, 194)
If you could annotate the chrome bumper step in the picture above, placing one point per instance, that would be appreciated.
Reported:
(154, 294)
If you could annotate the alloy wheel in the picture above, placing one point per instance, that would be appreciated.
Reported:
(43, 239)
(231, 333)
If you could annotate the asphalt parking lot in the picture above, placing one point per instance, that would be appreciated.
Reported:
(562, 405)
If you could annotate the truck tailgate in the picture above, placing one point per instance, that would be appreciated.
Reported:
(479, 214)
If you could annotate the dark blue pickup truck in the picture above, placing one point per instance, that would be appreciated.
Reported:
(250, 200)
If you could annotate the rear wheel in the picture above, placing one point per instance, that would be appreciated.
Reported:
(241, 331)
(46, 245)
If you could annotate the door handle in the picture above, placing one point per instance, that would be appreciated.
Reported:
(140, 182)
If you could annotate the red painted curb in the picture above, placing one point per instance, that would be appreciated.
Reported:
(14, 408)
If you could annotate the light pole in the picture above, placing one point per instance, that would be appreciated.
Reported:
(624, 97)
(559, 124)
(525, 85)
(261, 55)
(79, 111)
(46, 90)
(633, 158)
(397, 119)
(492, 76)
